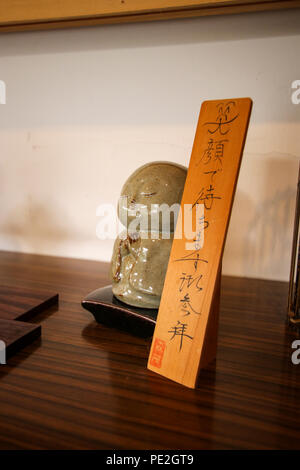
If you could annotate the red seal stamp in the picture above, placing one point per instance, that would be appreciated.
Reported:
(157, 353)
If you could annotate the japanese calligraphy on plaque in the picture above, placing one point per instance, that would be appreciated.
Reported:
(187, 320)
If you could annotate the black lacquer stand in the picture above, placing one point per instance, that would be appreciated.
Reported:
(110, 311)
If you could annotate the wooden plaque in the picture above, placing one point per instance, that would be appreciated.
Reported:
(186, 329)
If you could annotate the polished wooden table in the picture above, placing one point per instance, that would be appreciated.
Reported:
(86, 386)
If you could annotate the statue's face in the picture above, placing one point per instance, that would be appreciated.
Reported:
(146, 189)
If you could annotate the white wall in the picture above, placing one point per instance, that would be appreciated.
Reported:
(86, 107)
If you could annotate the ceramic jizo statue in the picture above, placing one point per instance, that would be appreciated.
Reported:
(141, 254)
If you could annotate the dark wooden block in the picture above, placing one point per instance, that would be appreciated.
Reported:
(18, 304)
(22, 304)
(110, 311)
(17, 334)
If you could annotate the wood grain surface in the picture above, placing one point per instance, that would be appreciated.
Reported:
(86, 386)
(22, 15)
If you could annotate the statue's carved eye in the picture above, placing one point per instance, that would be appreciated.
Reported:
(147, 194)
(129, 199)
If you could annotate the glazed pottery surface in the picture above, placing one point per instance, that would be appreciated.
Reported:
(141, 253)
